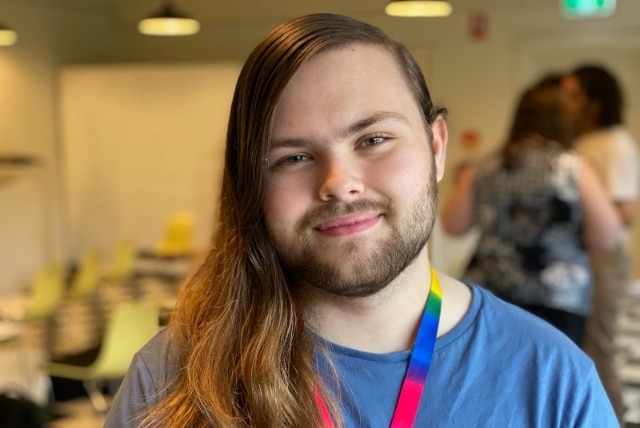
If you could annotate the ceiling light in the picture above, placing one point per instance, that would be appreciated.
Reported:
(418, 8)
(168, 22)
(8, 37)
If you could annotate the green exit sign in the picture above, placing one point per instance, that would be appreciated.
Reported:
(587, 8)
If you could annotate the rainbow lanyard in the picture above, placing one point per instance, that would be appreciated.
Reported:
(416, 375)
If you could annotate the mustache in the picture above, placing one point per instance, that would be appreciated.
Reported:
(327, 212)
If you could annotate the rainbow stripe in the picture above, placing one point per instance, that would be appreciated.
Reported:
(415, 378)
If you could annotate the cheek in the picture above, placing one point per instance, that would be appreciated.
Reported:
(405, 176)
(283, 204)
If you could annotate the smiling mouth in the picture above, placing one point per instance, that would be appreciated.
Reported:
(347, 225)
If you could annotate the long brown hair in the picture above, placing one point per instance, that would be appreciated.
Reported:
(538, 120)
(243, 358)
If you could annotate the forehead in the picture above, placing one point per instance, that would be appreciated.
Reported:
(342, 82)
(349, 62)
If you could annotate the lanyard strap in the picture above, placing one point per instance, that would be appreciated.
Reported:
(406, 409)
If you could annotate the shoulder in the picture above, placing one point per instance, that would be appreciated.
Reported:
(156, 363)
(516, 323)
(156, 355)
(522, 343)
(503, 328)
(545, 378)
(604, 140)
(146, 382)
(624, 144)
(569, 161)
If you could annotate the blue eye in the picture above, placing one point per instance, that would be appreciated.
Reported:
(290, 160)
(294, 158)
(373, 141)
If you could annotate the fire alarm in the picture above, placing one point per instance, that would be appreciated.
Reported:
(470, 139)
(478, 25)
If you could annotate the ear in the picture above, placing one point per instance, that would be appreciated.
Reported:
(439, 144)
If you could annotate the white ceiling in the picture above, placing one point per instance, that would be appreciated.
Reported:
(221, 11)
(230, 12)
(230, 28)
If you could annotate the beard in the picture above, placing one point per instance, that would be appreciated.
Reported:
(362, 270)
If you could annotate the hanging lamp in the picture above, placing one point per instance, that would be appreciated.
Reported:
(168, 22)
(8, 37)
(418, 8)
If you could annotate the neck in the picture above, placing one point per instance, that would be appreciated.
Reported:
(382, 323)
(588, 126)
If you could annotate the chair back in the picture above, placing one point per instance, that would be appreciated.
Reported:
(46, 292)
(129, 327)
(177, 240)
(124, 259)
(87, 276)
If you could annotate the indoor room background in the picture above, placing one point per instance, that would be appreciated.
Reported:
(122, 129)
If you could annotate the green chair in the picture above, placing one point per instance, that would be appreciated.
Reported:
(123, 262)
(129, 327)
(40, 303)
(87, 277)
(46, 292)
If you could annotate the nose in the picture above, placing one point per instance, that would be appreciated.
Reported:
(340, 182)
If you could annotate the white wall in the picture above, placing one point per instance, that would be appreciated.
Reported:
(142, 142)
(30, 201)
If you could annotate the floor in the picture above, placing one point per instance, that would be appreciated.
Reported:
(19, 358)
(81, 415)
(629, 356)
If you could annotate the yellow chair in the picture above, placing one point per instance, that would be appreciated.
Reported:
(87, 276)
(177, 240)
(124, 260)
(39, 304)
(46, 292)
(129, 327)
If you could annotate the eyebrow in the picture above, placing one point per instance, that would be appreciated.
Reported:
(372, 120)
(354, 128)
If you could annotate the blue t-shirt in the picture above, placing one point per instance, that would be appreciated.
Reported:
(499, 367)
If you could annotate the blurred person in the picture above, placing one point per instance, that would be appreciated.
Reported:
(594, 104)
(536, 205)
(318, 305)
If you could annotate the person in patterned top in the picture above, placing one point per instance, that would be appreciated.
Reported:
(538, 207)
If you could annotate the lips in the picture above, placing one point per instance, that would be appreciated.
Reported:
(347, 225)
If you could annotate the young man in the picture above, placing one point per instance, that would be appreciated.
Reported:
(318, 305)
(594, 105)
